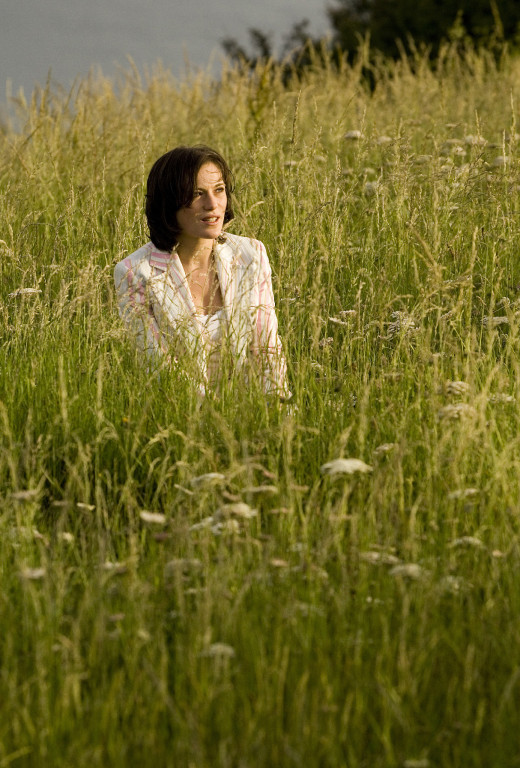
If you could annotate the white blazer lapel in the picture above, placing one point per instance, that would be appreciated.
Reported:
(237, 280)
(172, 300)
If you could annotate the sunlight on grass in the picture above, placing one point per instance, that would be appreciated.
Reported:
(223, 583)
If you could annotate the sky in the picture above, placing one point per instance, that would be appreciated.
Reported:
(69, 37)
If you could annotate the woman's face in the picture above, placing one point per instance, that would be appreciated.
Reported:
(203, 219)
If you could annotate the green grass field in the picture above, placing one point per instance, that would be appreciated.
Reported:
(149, 617)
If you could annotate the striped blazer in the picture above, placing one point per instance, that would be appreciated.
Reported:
(156, 305)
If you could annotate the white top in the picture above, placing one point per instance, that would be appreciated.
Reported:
(212, 330)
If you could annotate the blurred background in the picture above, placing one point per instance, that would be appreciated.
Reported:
(68, 37)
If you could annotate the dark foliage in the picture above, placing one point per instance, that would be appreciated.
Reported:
(394, 25)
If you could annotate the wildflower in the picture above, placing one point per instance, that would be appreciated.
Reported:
(353, 135)
(370, 188)
(402, 324)
(152, 517)
(87, 507)
(408, 570)
(278, 562)
(326, 342)
(501, 397)
(463, 493)
(116, 568)
(116, 617)
(270, 490)
(67, 537)
(456, 387)
(494, 322)
(31, 494)
(385, 448)
(227, 526)
(338, 321)
(344, 467)
(382, 140)
(422, 159)
(207, 480)
(501, 161)
(238, 509)
(453, 584)
(466, 541)
(475, 141)
(457, 411)
(379, 558)
(219, 650)
(25, 291)
(345, 313)
(33, 574)
(290, 164)
(207, 522)
(183, 564)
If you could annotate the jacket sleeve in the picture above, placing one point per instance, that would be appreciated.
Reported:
(136, 312)
(267, 344)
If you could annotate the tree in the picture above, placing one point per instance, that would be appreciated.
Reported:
(393, 24)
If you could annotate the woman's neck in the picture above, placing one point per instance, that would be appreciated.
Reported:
(195, 253)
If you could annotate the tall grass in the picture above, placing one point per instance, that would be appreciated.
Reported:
(359, 620)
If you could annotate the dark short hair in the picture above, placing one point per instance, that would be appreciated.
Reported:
(171, 185)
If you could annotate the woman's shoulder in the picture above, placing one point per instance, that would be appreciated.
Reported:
(245, 249)
(137, 261)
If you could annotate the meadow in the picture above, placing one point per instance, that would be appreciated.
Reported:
(184, 583)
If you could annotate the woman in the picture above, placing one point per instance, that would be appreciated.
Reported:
(193, 290)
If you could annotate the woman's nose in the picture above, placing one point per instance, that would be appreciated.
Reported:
(210, 201)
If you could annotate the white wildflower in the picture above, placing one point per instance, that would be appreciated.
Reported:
(501, 161)
(422, 159)
(463, 493)
(278, 562)
(183, 564)
(152, 517)
(226, 526)
(269, 490)
(370, 188)
(475, 141)
(501, 397)
(31, 494)
(25, 291)
(408, 570)
(353, 135)
(344, 467)
(467, 541)
(453, 584)
(207, 480)
(345, 313)
(86, 507)
(219, 650)
(457, 411)
(237, 509)
(384, 448)
(207, 522)
(402, 323)
(33, 574)
(338, 321)
(456, 387)
(290, 164)
(66, 536)
(379, 558)
(382, 140)
(116, 568)
(494, 322)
